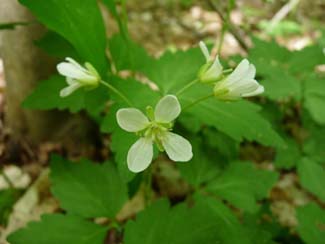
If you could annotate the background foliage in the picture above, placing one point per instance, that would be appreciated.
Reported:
(228, 197)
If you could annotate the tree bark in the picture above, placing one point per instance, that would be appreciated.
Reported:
(24, 65)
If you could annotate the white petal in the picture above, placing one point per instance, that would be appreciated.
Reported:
(131, 119)
(71, 81)
(258, 91)
(244, 86)
(69, 89)
(75, 63)
(140, 155)
(177, 147)
(204, 50)
(251, 72)
(239, 73)
(167, 109)
(72, 71)
(214, 71)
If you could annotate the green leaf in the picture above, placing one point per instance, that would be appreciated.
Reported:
(112, 7)
(57, 228)
(305, 60)
(78, 21)
(259, 229)
(271, 61)
(312, 177)
(315, 143)
(239, 120)
(242, 185)
(7, 199)
(271, 51)
(279, 84)
(311, 226)
(315, 98)
(57, 46)
(223, 144)
(173, 70)
(209, 221)
(46, 96)
(86, 189)
(201, 168)
(288, 157)
(283, 71)
(128, 55)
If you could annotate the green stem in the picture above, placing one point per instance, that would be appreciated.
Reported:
(114, 225)
(197, 101)
(222, 38)
(117, 92)
(227, 71)
(225, 26)
(187, 86)
(148, 186)
(125, 18)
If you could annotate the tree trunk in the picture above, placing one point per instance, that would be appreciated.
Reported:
(24, 66)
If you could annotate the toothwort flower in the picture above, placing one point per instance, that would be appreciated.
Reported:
(154, 129)
(77, 76)
(240, 83)
(212, 70)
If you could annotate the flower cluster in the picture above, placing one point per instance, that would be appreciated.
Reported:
(240, 83)
(154, 128)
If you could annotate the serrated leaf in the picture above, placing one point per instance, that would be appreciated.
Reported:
(315, 98)
(57, 228)
(78, 21)
(283, 71)
(279, 84)
(259, 229)
(87, 189)
(242, 185)
(128, 55)
(271, 61)
(312, 177)
(306, 59)
(311, 226)
(209, 221)
(267, 50)
(239, 120)
(315, 143)
(201, 168)
(288, 157)
(173, 70)
(223, 144)
(46, 96)
(56, 46)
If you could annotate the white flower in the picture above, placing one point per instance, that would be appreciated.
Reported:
(240, 83)
(212, 70)
(155, 129)
(77, 76)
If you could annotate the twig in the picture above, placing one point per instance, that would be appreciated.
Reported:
(283, 12)
(232, 29)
